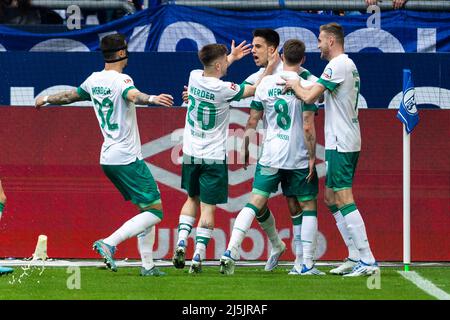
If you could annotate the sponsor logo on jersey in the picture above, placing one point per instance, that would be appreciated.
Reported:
(327, 73)
(127, 81)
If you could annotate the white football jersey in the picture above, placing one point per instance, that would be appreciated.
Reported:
(253, 78)
(283, 145)
(341, 78)
(208, 115)
(117, 117)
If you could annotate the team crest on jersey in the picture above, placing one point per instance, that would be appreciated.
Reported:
(327, 73)
(233, 86)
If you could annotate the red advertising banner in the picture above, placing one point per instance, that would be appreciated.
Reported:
(55, 186)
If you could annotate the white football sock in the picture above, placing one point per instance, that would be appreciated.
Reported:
(132, 228)
(146, 240)
(184, 227)
(357, 230)
(267, 223)
(201, 241)
(241, 225)
(353, 252)
(297, 229)
(309, 233)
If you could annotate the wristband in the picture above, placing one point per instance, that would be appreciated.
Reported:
(151, 100)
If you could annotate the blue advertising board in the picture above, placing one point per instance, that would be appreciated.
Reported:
(172, 28)
(25, 75)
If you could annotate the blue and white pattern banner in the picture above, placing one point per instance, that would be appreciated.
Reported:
(171, 28)
(407, 112)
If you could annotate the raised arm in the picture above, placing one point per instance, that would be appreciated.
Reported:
(237, 53)
(137, 97)
(64, 97)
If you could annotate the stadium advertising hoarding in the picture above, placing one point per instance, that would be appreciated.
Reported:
(56, 187)
(26, 75)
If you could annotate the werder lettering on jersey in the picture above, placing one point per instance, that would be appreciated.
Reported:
(273, 92)
(101, 91)
(201, 93)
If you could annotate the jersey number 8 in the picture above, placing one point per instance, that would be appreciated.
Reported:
(283, 119)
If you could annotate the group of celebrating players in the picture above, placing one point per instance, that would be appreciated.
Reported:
(285, 96)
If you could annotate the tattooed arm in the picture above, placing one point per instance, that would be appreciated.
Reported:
(137, 97)
(64, 97)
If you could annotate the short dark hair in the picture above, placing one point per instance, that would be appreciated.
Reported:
(210, 52)
(334, 29)
(269, 35)
(110, 43)
(293, 51)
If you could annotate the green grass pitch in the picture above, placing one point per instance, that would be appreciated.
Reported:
(248, 283)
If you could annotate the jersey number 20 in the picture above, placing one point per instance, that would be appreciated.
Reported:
(202, 106)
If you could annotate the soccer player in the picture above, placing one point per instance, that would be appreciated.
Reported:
(204, 169)
(288, 157)
(114, 96)
(265, 43)
(3, 270)
(340, 84)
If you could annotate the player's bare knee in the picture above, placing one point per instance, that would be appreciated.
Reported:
(2, 198)
(156, 206)
(195, 200)
(293, 205)
(308, 205)
(258, 201)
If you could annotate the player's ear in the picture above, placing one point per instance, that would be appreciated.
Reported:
(282, 57)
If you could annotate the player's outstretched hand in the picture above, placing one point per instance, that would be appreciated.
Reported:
(398, 4)
(371, 2)
(163, 99)
(185, 94)
(39, 103)
(239, 52)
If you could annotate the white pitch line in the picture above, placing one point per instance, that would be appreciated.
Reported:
(425, 285)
